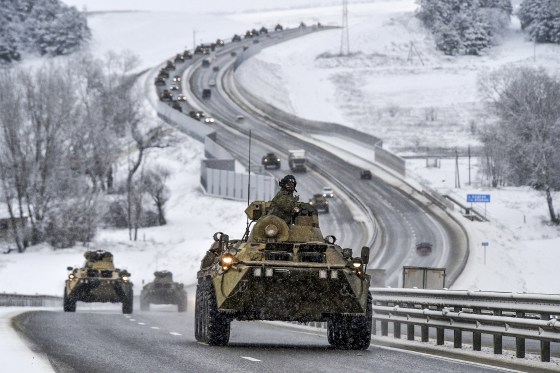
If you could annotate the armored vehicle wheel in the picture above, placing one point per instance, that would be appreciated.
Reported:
(144, 305)
(198, 324)
(351, 332)
(127, 302)
(215, 325)
(69, 303)
(182, 305)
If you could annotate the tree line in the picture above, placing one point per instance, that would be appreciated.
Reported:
(65, 129)
(470, 26)
(40, 27)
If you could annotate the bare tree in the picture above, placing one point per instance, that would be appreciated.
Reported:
(152, 138)
(526, 103)
(154, 185)
(13, 155)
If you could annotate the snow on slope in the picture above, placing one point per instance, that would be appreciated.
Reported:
(193, 217)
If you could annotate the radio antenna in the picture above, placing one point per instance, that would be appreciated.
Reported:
(246, 235)
(249, 181)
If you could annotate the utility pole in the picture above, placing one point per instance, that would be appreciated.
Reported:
(469, 149)
(345, 39)
(193, 39)
(457, 180)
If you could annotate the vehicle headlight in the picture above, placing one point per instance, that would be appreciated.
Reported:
(71, 276)
(226, 261)
(125, 278)
(271, 230)
(357, 262)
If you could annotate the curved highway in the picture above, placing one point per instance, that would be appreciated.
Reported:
(403, 220)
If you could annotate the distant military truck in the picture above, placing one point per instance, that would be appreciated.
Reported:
(297, 160)
(319, 202)
(163, 290)
(270, 160)
(98, 281)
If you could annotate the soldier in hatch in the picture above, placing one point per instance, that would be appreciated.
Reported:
(284, 202)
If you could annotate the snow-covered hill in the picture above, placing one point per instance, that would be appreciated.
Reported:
(362, 91)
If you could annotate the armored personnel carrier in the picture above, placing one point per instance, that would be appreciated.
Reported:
(163, 291)
(287, 272)
(98, 281)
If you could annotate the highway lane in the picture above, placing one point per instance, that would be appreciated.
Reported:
(162, 340)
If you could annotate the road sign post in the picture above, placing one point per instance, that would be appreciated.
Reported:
(478, 198)
(485, 245)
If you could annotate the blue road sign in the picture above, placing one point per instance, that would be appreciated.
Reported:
(485, 244)
(478, 197)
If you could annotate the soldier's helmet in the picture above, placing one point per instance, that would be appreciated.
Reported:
(288, 183)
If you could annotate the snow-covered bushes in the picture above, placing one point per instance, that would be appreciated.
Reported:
(541, 19)
(464, 26)
(44, 27)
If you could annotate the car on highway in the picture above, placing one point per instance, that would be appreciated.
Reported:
(177, 78)
(174, 87)
(177, 106)
(212, 83)
(239, 117)
(159, 81)
(165, 95)
(182, 98)
(163, 290)
(327, 192)
(424, 248)
(365, 174)
(319, 202)
(196, 114)
(209, 120)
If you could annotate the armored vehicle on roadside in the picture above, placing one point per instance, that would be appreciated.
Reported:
(286, 272)
(163, 291)
(98, 281)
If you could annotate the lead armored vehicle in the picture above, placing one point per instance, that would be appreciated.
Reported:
(98, 281)
(286, 272)
(163, 290)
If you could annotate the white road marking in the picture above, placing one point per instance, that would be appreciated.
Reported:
(174, 333)
(154, 327)
(249, 358)
(203, 344)
(131, 320)
(141, 323)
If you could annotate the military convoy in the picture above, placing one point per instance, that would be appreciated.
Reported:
(98, 281)
(163, 290)
(286, 272)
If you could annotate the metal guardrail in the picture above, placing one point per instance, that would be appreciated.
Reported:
(522, 316)
(21, 300)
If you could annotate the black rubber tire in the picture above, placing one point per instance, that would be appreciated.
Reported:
(360, 328)
(199, 334)
(69, 304)
(128, 302)
(351, 332)
(217, 325)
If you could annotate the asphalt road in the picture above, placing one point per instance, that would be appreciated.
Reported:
(101, 339)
